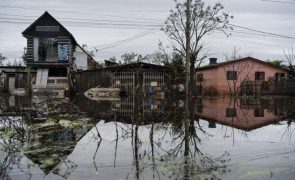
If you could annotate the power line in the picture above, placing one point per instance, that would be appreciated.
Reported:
(79, 12)
(81, 19)
(263, 32)
(132, 25)
(92, 23)
(124, 41)
(282, 2)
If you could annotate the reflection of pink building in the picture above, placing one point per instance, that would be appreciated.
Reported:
(227, 77)
(245, 114)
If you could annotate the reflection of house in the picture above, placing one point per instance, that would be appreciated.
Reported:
(53, 51)
(146, 110)
(247, 75)
(240, 113)
(14, 105)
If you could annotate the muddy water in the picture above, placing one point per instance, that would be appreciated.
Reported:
(145, 138)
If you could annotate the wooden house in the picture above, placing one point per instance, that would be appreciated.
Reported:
(144, 77)
(54, 53)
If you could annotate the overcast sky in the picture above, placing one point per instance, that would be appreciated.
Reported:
(115, 27)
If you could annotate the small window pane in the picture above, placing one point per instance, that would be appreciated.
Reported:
(51, 81)
(231, 75)
(231, 112)
(62, 81)
(258, 113)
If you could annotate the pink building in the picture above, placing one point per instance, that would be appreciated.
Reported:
(247, 75)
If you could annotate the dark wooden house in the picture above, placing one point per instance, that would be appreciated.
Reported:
(54, 53)
(144, 77)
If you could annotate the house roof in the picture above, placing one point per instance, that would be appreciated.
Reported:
(43, 17)
(142, 65)
(239, 60)
(131, 66)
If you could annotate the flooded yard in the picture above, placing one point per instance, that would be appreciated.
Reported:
(147, 138)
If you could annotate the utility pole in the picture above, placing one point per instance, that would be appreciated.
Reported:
(187, 53)
(187, 79)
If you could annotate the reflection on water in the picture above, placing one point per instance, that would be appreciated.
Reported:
(146, 138)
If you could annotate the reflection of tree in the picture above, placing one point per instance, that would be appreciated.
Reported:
(12, 139)
(97, 137)
(173, 146)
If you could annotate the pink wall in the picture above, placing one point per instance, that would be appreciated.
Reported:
(216, 76)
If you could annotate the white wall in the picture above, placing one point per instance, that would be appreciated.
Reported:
(80, 58)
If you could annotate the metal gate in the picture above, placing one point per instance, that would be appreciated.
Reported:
(124, 80)
(152, 79)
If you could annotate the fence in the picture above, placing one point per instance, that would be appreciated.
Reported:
(82, 81)
(258, 88)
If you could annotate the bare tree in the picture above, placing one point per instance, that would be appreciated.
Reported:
(200, 22)
(290, 58)
(2, 58)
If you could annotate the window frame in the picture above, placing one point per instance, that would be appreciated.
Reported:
(231, 75)
(258, 76)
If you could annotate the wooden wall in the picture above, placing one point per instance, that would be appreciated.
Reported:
(82, 81)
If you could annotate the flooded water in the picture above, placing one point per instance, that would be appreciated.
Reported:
(147, 138)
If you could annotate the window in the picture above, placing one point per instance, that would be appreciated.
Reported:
(283, 75)
(199, 77)
(62, 81)
(231, 75)
(63, 52)
(47, 28)
(231, 112)
(259, 75)
(258, 112)
(57, 72)
(47, 49)
(51, 81)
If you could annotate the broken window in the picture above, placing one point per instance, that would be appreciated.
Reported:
(47, 49)
(259, 75)
(231, 75)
